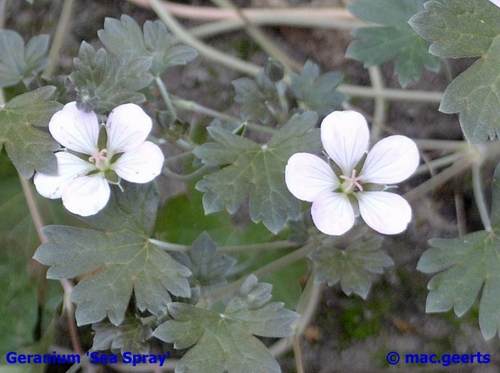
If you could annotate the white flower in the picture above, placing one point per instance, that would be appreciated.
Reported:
(496, 2)
(97, 155)
(345, 137)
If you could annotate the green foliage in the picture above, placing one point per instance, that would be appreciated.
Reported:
(130, 336)
(120, 255)
(353, 266)
(317, 92)
(395, 39)
(103, 82)
(258, 97)
(19, 62)
(467, 265)
(467, 29)
(124, 35)
(255, 171)
(207, 267)
(225, 341)
(29, 148)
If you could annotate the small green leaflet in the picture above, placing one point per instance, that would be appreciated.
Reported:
(207, 267)
(130, 336)
(470, 28)
(29, 148)
(125, 35)
(226, 342)
(19, 62)
(103, 82)
(121, 256)
(395, 39)
(256, 171)
(353, 266)
(317, 91)
(467, 265)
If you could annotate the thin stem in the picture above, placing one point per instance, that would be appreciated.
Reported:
(205, 50)
(477, 187)
(298, 354)
(437, 163)
(450, 145)
(59, 36)
(166, 98)
(185, 177)
(4, 5)
(380, 110)
(391, 94)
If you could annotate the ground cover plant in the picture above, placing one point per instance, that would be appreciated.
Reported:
(140, 221)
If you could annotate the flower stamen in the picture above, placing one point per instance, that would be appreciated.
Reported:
(98, 157)
(353, 181)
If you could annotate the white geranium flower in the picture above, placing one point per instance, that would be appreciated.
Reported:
(496, 2)
(97, 155)
(345, 137)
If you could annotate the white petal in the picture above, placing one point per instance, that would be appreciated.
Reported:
(496, 2)
(332, 213)
(75, 129)
(69, 166)
(127, 126)
(141, 164)
(391, 160)
(307, 176)
(345, 137)
(387, 213)
(86, 195)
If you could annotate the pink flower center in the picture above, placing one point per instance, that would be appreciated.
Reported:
(353, 182)
(98, 156)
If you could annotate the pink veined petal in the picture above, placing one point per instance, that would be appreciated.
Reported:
(69, 167)
(141, 164)
(332, 213)
(345, 137)
(391, 160)
(75, 129)
(86, 195)
(385, 212)
(307, 176)
(127, 126)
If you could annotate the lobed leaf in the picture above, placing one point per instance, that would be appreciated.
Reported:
(28, 147)
(255, 171)
(353, 266)
(394, 39)
(467, 29)
(225, 341)
(124, 35)
(120, 256)
(19, 62)
(103, 82)
(130, 336)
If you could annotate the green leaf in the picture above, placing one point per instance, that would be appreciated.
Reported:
(207, 267)
(395, 39)
(125, 35)
(19, 62)
(255, 171)
(103, 82)
(317, 92)
(258, 97)
(467, 29)
(226, 341)
(467, 265)
(353, 266)
(29, 148)
(121, 257)
(130, 336)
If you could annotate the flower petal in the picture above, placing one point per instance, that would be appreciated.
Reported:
(345, 137)
(391, 160)
(86, 195)
(387, 213)
(75, 129)
(141, 164)
(332, 213)
(69, 166)
(307, 176)
(127, 126)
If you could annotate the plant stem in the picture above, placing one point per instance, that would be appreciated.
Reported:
(166, 98)
(59, 35)
(380, 110)
(185, 177)
(391, 94)
(477, 187)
